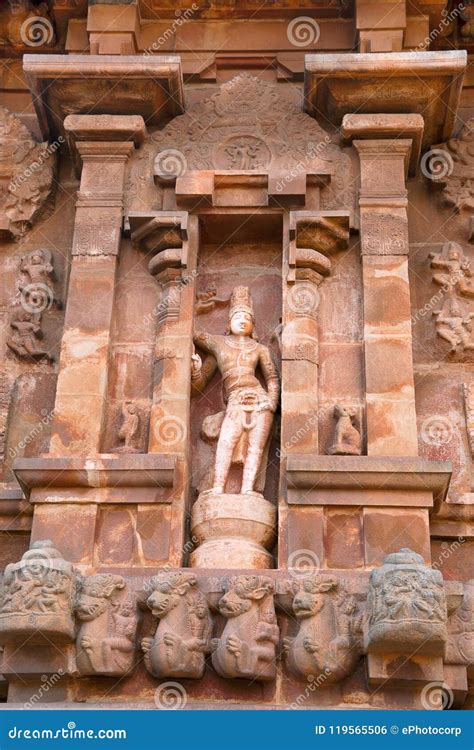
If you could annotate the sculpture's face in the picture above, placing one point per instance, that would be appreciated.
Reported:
(241, 324)
(453, 255)
(163, 600)
(306, 604)
(90, 605)
(232, 604)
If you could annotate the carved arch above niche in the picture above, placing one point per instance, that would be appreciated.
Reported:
(248, 124)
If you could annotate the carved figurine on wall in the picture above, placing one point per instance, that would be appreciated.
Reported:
(36, 285)
(130, 429)
(25, 331)
(329, 639)
(105, 642)
(249, 407)
(183, 636)
(247, 646)
(452, 269)
(347, 440)
(453, 324)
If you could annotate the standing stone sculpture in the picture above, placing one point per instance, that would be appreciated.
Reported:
(235, 528)
(37, 597)
(347, 440)
(329, 639)
(105, 643)
(130, 429)
(249, 407)
(406, 607)
(36, 285)
(183, 636)
(247, 646)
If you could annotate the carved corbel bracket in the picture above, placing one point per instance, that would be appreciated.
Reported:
(164, 236)
(314, 237)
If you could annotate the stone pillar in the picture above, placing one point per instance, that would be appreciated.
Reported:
(171, 239)
(102, 145)
(311, 238)
(391, 415)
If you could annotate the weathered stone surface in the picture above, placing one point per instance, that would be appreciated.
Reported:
(236, 354)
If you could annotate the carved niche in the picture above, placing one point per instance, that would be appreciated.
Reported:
(105, 641)
(26, 176)
(37, 598)
(183, 636)
(247, 647)
(329, 639)
(247, 125)
(130, 432)
(406, 607)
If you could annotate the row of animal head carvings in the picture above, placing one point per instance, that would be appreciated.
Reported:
(44, 597)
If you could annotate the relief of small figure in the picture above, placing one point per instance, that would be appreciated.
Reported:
(105, 642)
(36, 285)
(453, 324)
(347, 439)
(183, 636)
(130, 429)
(24, 335)
(208, 300)
(452, 269)
(247, 646)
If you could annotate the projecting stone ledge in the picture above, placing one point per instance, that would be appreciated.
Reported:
(427, 83)
(367, 480)
(116, 85)
(133, 478)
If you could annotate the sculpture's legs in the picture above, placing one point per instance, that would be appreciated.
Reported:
(230, 432)
(258, 437)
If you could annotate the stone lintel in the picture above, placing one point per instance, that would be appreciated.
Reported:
(387, 127)
(321, 480)
(136, 85)
(427, 83)
(103, 471)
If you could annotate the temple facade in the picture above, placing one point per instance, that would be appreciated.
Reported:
(237, 353)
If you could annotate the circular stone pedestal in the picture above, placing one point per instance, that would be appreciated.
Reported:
(233, 531)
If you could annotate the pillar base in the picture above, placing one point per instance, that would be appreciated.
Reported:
(233, 531)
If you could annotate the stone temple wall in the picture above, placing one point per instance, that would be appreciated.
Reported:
(237, 353)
